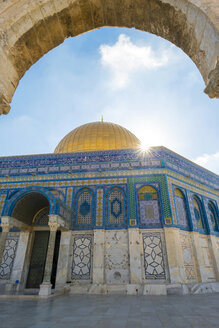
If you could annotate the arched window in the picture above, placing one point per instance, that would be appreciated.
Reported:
(84, 207)
(181, 212)
(41, 218)
(116, 206)
(213, 216)
(148, 206)
(198, 213)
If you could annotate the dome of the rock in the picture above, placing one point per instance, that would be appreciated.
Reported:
(102, 217)
(97, 136)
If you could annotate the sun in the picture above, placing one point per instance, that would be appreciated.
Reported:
(144, 145)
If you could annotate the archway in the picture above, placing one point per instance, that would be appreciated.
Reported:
(28, 206)
(29, 29)
(33, 209)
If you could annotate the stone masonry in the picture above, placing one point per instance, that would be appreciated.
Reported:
(29, 29)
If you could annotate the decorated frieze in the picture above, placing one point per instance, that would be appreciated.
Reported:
(157, 157)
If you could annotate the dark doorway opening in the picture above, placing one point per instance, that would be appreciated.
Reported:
(38, 259)
(55, 258)
(26, 207)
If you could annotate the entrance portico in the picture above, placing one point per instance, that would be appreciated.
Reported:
(35, 258)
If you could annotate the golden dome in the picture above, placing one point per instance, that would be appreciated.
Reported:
(97, 136)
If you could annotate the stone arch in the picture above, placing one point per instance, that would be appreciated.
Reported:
(26, 208)
(199, 214)
(181, 207)
(26, 203)
(29, 29)
(213, 214)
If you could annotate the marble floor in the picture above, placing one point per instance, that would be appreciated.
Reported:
(111, 311)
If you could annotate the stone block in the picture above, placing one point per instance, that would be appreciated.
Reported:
(177, 289)
(97, 289)
(80, 289)
(116, 289)
(116, 259)
(155, 289)
(45, 289)
(205, 288)
(133, 289)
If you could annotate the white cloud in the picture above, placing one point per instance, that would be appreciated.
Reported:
(209, 161)
(125, 58)
(24, 119)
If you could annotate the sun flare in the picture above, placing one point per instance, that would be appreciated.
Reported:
(144, 147)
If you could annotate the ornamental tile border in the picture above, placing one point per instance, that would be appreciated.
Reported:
(164, 156)
(2, 201)
(99, 207)
(69, 183)
(69, 196)
(65, 180)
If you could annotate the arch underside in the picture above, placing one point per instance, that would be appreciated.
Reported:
(27, 206)
(29, 29)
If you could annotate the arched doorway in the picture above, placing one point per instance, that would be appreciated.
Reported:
(27, 207)
(33, 209)
(30, 29)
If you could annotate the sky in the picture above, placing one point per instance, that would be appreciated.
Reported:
(132, 78)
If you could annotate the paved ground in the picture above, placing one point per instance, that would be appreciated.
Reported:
(111, 311)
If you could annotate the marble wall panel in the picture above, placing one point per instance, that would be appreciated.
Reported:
(82, 257)
(116, 257)
(9, 256)
(154, 256)
(188, 256)
(207, 255)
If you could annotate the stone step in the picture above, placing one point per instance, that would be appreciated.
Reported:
(82, 289)
(31, 291)
(205, 288)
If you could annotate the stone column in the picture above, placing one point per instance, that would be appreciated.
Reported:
(206, 266)
(98, 260)
(215, 251)
(135, 260)
(63, 261)
(199, 261)
(7, 223)
(46, 286)
(174, 255)
(5, 230)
